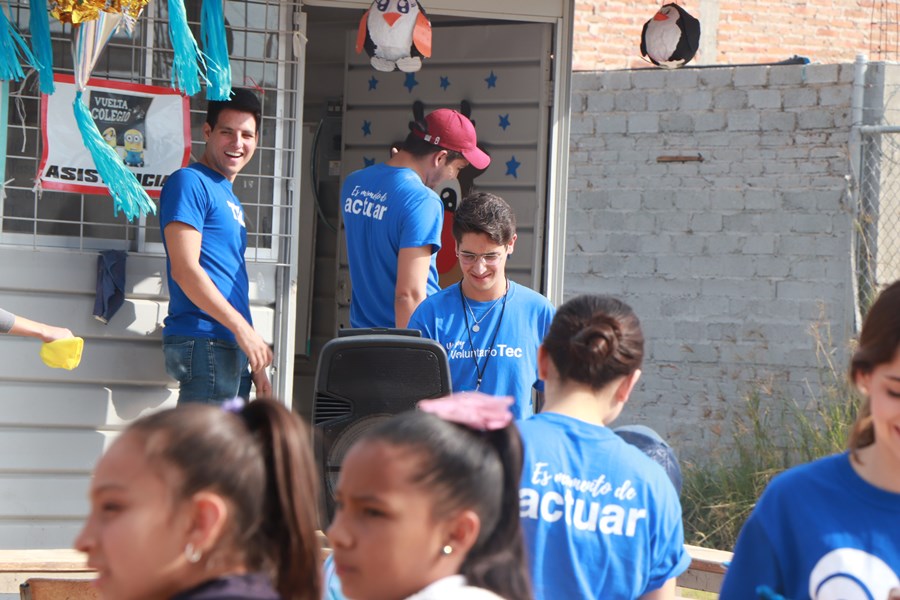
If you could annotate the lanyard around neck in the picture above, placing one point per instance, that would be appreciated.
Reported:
(480, 370)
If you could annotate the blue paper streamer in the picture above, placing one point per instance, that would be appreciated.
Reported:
(186, 65)
(215, 49)
(12, 49)
(39, 23)
(128, 194)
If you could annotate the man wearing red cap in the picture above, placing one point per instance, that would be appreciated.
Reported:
(393, 219)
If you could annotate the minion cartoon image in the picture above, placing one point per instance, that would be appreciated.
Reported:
(134, 148)
(109, 136)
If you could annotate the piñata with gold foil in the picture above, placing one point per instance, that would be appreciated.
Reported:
(94, 23)
(79, 11)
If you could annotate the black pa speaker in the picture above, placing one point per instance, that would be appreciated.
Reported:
(363, 379)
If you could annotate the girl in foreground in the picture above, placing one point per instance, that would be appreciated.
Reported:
(831, 528)
(427, 509)
(199, 502)
(601, 519)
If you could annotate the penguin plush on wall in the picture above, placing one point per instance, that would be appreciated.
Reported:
(671, 38)
(395, 34)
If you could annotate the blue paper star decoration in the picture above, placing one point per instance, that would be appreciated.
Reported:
(410, 82)
(512, 167)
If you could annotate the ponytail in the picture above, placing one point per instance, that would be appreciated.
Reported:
(259, 460)
(287, 533)
(497, 562)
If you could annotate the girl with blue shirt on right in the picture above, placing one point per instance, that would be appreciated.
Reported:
(830, 529)
(601, 520)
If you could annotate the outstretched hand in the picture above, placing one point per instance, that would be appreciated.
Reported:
(49, 333)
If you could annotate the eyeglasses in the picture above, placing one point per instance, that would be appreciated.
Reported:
(490, 258)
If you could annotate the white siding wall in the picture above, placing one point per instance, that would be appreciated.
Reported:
(54, 423)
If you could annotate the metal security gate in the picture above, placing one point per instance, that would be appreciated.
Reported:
(266, 48)
(263, 57)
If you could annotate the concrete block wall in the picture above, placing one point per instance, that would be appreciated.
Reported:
(715, 201)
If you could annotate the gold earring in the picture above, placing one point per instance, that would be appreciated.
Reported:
(192, 554)
(447, 550)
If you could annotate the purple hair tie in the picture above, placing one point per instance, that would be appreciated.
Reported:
(235, 405)
(475, 410)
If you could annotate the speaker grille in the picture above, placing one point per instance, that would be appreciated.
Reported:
(327, 408)
(359, 373)
(362, 380)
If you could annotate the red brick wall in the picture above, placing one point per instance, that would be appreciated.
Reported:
(608, 32)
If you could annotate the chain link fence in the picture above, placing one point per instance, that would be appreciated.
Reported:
(878, 221)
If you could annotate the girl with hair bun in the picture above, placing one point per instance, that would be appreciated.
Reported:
(600, 518)
(831, 528)
(426, 506)
(200, 503)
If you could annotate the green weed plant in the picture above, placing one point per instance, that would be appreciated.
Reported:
(771, 433)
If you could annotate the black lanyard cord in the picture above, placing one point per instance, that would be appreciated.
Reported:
(480, 371)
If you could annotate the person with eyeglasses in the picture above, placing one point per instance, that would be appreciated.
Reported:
(491, 327)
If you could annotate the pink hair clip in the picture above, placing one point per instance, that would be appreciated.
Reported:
(475, 410)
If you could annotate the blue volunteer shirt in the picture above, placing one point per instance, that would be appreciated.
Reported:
(510, 366)
(819, 531)
(202, 198)
(386, 209)
(601, 520)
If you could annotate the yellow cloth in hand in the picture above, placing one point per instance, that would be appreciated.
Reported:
(62, 354)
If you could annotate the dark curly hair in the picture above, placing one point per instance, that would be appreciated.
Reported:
(482, 212)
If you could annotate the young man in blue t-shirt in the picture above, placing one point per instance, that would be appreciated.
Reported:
(208, 338)
(490, 326)
(393, 219)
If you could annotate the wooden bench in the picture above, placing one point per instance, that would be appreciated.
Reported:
(707, 569)
(42, 588)
(41, 567)
(18, 566)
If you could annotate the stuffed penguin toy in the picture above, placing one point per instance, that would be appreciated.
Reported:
(671, 38)
(395, 34)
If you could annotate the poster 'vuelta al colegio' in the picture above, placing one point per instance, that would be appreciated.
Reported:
(147, 126)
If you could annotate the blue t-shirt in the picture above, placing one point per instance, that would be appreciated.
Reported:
(202, 198)
(385, 209)
(819, 531)
(601, 520)
(510, 367)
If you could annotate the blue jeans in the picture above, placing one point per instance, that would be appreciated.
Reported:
(207, 370)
